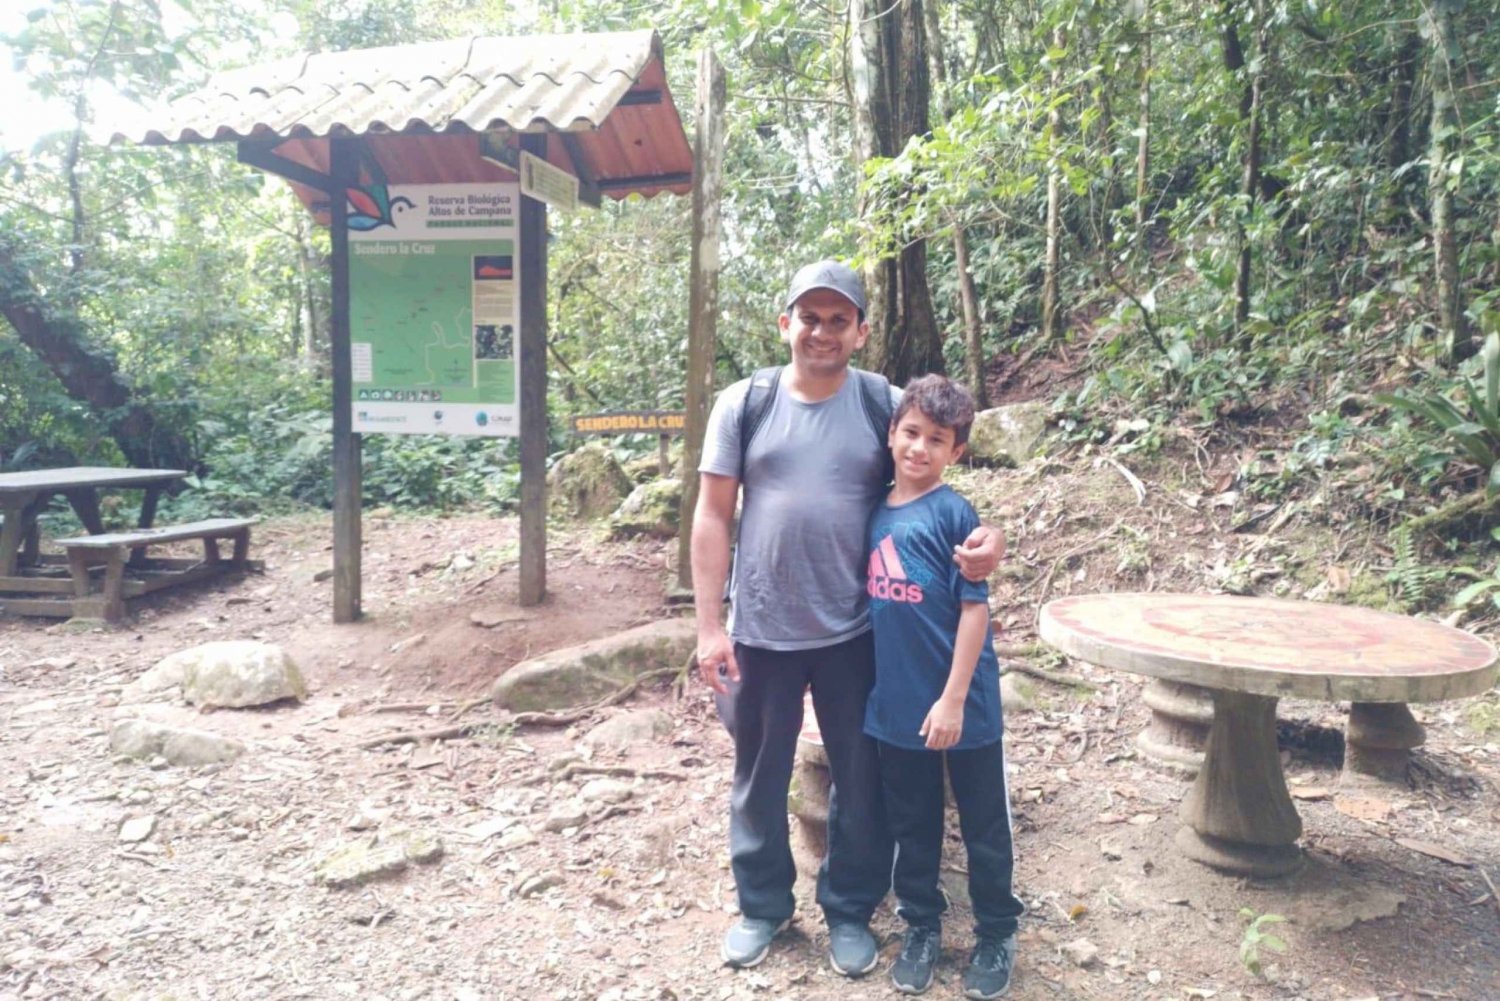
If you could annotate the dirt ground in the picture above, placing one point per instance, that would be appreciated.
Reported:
(220, 903)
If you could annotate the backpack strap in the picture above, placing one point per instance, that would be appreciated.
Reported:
(759, 396)
(875, 394)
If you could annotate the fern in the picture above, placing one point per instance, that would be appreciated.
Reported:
(1415, 583)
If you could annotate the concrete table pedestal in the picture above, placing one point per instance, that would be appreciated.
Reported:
(1249, 653)
(1239, 816)
(1378, 742)
(1180, 719)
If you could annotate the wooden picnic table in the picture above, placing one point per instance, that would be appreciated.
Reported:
(1249, 653)
(25, 495)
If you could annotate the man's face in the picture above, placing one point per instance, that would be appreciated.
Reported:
(823, 330)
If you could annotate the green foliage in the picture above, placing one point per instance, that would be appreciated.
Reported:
(1470, 424)
(1413, 582)
(1482, 585)
(1257, 937)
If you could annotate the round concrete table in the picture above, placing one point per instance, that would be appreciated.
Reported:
(1249, 652)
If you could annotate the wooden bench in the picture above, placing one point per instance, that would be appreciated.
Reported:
(118, 551)
(30, 543)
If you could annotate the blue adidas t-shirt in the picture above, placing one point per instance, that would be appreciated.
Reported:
(915, 596)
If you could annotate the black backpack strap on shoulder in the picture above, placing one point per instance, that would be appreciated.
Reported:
(759, 396)
(875, 394)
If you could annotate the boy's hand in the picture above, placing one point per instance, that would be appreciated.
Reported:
(944, 724)
(980, 553)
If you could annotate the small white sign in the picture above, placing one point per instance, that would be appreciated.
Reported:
(546, 183)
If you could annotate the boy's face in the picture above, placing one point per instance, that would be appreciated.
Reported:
(922, 450)
(823, 330)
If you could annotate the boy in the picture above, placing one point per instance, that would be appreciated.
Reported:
(937, 696)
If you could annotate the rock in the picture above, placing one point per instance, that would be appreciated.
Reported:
(356, 862)
(1081, 951)
(1016, 692)
(627, 729)
(234, 673)
(164, 675)
(606, 791)
(586, 483)
(533, 885)
(1008, 435)
(137, 829)
(365, 820)
(52, 663)
(138, 738)
(651, 510)
(569, 813)
(644, 468)
(516, 837)
(576, 675)
(485, 829)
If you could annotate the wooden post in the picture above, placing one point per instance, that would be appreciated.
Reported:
(663, 460)
(347, 476)
(703, 291)
(533, 347)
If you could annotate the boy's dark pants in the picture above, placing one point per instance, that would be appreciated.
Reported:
(763, 713)
(913, 782)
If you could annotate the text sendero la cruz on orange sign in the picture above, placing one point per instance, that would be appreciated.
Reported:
(631, 422)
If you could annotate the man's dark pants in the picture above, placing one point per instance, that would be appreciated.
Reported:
(913, 781)
(763, 713)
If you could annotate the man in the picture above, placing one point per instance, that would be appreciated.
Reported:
(812, 469)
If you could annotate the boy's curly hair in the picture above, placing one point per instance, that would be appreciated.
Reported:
(942, 401)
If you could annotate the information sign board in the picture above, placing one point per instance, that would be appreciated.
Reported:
(546, 183)
(434, 296)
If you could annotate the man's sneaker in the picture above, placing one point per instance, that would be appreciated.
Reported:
(912, 971)
(988, 975)
(851, 949)
(747, 943)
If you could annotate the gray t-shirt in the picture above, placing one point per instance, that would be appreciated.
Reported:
(812, 476)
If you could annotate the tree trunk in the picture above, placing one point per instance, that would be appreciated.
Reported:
(1250, 185)
(1442, 180)
(1251, 114)
(57, 338)
(310, 269)
(889, 92)
(968, 296)
(1143, 139)
(1054, 201)
(1397, 146)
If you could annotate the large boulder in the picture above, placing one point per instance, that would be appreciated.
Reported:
(586, 483)
(233, 674)
(179, 745)
(1008, 435)
(652, 509)
(577, 675)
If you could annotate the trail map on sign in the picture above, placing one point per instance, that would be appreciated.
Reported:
(434, 308)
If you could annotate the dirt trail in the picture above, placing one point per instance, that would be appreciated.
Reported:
(220, 902)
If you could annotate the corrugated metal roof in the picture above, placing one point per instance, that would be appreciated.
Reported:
(568, 83)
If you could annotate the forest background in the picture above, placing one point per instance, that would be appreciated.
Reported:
(1206, 215)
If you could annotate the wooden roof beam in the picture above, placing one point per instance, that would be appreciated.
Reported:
(263, 154)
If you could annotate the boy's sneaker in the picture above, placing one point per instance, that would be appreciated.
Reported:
(912, 971)
(748, 941)
(988, 975)
(851, 949)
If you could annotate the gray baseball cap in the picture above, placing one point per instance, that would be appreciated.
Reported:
(831, 275)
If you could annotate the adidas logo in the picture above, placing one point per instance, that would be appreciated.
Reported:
(887, 577)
